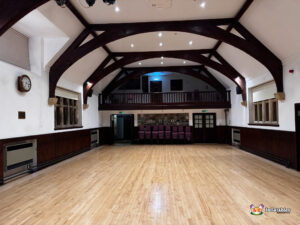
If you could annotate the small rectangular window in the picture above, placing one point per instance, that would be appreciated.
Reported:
(267, 111)
(176, 85)
(260, 112)
(67, 109)
(274, 111)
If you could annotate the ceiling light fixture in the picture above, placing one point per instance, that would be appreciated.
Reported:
(162, 57)
(191, 42)
(160, 44)
(184, 62)
(132, 45)
(160, 34)
(140, 63)
(161, 63)
(117, 9)
(202, 5)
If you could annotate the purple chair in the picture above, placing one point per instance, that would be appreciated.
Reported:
(155, 132)
(148, 132)
(180, 132)
(175, 133)
(168, 132)
(141, 132)
(160, 132)
(188, 133)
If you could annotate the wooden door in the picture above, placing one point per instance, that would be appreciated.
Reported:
(156, 89)
(205, 127)
(297, 123)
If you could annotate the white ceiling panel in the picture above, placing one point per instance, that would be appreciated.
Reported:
(170, 41)
(276, 24)
(156, 62)
(142, 10)
(98, 88)
(84, 67)
(246, 65)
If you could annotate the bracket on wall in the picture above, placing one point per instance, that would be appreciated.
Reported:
(280, 96)
(52, 101)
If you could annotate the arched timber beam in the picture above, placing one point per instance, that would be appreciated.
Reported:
(207, 28)
(138, 56)
(185, 70)
(14, 10)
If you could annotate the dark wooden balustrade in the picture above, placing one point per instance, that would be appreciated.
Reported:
(168, 100)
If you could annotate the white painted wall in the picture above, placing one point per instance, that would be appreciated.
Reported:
(105, 115)
(189, 83)
(239, 115)
(39, 115)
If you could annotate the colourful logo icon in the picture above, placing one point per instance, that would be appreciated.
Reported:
(256, 210)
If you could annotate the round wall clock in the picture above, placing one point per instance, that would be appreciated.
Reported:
(24, 83)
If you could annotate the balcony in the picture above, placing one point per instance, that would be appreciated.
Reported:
(168, 100)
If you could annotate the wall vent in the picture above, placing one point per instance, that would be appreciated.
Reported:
(94, 138)
(236, 137)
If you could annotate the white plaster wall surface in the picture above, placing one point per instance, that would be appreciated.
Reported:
(39, 115)
(105, 115)
(239, 115)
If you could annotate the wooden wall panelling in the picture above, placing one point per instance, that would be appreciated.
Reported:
(276, 145)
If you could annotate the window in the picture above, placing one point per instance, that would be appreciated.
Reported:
(176, 85)
(264, 105)
(67, 109)
(265, 112)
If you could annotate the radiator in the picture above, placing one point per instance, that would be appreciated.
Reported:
(19, 158)
(94, 137)
(236, 137)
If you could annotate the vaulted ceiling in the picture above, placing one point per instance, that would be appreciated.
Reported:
(272, 22)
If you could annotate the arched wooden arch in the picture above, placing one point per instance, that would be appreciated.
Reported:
(189, 71)
(193, 56)
(208, 28)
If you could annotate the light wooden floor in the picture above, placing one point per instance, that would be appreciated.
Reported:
(185, 184)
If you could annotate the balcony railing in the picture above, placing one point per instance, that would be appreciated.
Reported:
(168, 100)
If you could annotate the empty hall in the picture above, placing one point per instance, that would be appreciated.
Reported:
(149, 112)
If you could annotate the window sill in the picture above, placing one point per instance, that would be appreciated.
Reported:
(264, 124)
(68, 128)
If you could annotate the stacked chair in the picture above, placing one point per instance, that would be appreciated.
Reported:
(168, 133)
(141, 132)
(148, 133)
(155, 133)
(164, 133)
(180, 133)
(161, 132)
(188, 134)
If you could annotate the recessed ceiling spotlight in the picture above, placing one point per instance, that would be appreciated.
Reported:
(202, 5)
(162, 57)
(161, 63)
(160, 34)
(117, 9)
(184, 62)
(160, 44)
(191, 42)
(140, 63)
(132, 45)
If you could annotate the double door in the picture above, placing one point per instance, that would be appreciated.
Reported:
(205, 130)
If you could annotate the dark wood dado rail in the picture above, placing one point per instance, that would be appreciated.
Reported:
(54, 147)
(168, 100)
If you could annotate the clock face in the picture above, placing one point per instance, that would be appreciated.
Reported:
(26, 83)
